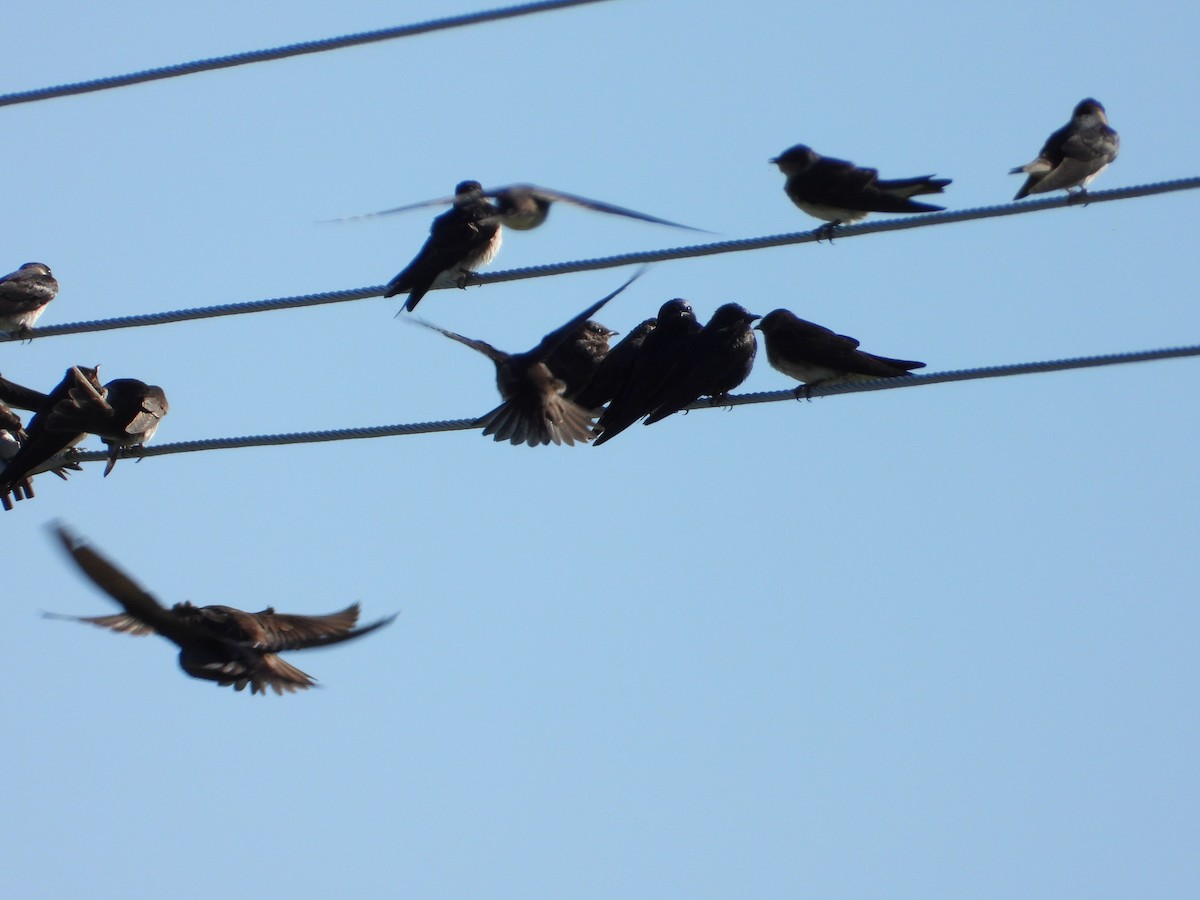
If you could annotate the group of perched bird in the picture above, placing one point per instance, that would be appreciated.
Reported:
(570, 388)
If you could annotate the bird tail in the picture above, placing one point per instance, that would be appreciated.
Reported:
(911, 187)
(556, 421)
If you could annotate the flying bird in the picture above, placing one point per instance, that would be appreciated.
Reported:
(524, 207)
(661, 351)
(536, 409)
(216, 643)
(839, 191)
(125, 413)
(1073, 155)
(460, 240)
(720, 359)
(24, 295)
(815, 355)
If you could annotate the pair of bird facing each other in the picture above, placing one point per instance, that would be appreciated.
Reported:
(123, 413)
(216, 643)
(839, 191)
(553, 392)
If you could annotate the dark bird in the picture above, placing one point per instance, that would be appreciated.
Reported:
(125, 413)
(720, 359)
(524, 207)
(24, 295)
(661, 351)
(839, 191)
(535, 409)
(43, 444)
(460, 240)
(815, 355)
(574, 362)
(615, 369)
(21, 397)
(1073, 155)
(216, 643)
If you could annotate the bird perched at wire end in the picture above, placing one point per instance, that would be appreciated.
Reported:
(1073, 155)
(839, 191)
(216, 643)
(461, 240)
(24, 296)
(815, 355)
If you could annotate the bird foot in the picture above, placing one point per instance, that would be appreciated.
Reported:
(465, 279)
(720, 400)
(803, 392)
(826, 231)
(1079, 196)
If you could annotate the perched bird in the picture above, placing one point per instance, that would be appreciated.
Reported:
(524, 207)
(24, 295)
(21, 397)
(460, 241)
(1073, 155)
(44, 444)
(719, 360)
(574, 362)
(535, 409)
(839, 191)
(125, 413)
(216, 643)
(661, 351)
(614, 370)
(815, 355)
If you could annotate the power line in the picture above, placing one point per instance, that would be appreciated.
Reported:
(609, 262)
(254, 56)
(880, 384)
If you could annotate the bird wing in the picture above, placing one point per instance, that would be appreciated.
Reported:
(588, 203)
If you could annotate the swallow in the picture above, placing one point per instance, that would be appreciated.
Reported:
(614, 370)
(575, 361)
(720, 359)
(125, 413)
(815, 355)
(523, 207)
(21, 397)
(661, 351)
(1073, 155)
(216, 643)
(24, 295)
(839, 191)
(535, 409)
(460, 240)
(44, 444)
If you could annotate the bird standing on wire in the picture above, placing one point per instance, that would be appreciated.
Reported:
(460, 240)
(1073, 155)
(216, 643)
(839, 191)
(24, 296)
(815, 355)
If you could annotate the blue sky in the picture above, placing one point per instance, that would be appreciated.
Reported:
(921, 643)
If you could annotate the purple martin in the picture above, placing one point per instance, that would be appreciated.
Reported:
(24, 295)
(535, 409)
(720, 358)
(575, 361)
(1073, 155)
(661, 351)
(839, 191)
(21, 397)
(125, 413)
(460, 241)
(524, 207)
(44, 443)
(217, 643)
(615, 369)
(815, 355)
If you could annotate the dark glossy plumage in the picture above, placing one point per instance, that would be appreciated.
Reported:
(217, 643)
(839, 191)
(720, 359)
(536, 409)
(1074, 154)
(815, 355)
(24, 295)
(574, 362)
(460, 240)
(615, 369)
(668, 343)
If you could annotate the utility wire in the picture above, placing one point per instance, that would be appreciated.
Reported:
(879, 384)
(254, 56)
(609, 262)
